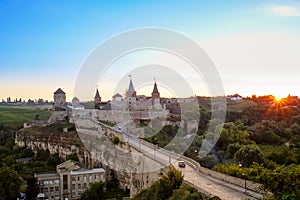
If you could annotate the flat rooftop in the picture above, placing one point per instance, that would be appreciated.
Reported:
(46, 175)
(88, 171)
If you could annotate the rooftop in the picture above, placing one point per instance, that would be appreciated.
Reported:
(59, 91)
(97, 96)
(70, 165)
(88, 171)
(46, 175)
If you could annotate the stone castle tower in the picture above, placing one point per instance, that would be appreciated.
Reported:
(59, 99)
(97, 99)
(131, 96)
(155, 97)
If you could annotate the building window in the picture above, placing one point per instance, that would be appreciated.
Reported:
(84, 185)
(73, 186)
(45, 182)
(73, 178)
(56, 189)
(45, 190)
(91, 178)
(84, 178)
(78, 178)
(79, 186)
(51, 189)
(65, 182)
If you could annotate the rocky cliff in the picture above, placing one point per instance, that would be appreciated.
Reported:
(62, 138)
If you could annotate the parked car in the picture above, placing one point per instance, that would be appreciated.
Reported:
(181, 164)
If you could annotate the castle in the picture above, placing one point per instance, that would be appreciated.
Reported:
(132, 107)
(131, 102)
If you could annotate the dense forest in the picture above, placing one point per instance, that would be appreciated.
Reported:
(258, 141)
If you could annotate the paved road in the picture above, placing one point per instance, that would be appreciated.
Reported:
(191, 172)
(206, 183)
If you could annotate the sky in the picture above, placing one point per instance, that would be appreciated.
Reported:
(254, 45)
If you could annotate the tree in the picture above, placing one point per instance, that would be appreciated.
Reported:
(116, 140)
(185, 192)
(73, 156)
(10, 143)
(53, 160)
(37, 117)
(26, 152)
(209, 161)
(42, 154)
(249, 154)
(8, 161)
(172, 180)
(283, 182)
(96, 191)
(10, 183)
(32, 189)
(269, 132)
(232, 149)
(295, 129)
(163, 188)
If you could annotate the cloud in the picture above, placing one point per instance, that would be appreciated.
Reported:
(287, 11)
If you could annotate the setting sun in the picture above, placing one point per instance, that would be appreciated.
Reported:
(278, 99)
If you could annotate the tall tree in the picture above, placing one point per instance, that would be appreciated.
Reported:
(10, 183)
(32, 189)
(96, 191)
(249, 154)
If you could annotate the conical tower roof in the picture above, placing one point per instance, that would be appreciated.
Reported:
(155, 92)
(97, 96)
(131, 88)
(59, 91)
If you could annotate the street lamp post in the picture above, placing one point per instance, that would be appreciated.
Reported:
(141, 184)
(245, 186)
(244, 176)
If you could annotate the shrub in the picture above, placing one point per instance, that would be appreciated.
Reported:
(116, 140)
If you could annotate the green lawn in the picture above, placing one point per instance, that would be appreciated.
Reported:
(17, 115)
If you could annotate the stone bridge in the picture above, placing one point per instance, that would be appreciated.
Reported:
(208, 182)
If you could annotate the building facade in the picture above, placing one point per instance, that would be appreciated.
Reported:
(69, 182)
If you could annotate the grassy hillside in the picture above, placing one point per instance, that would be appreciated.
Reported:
(17, 115)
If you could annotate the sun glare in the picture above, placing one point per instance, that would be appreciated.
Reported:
(278, 99)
